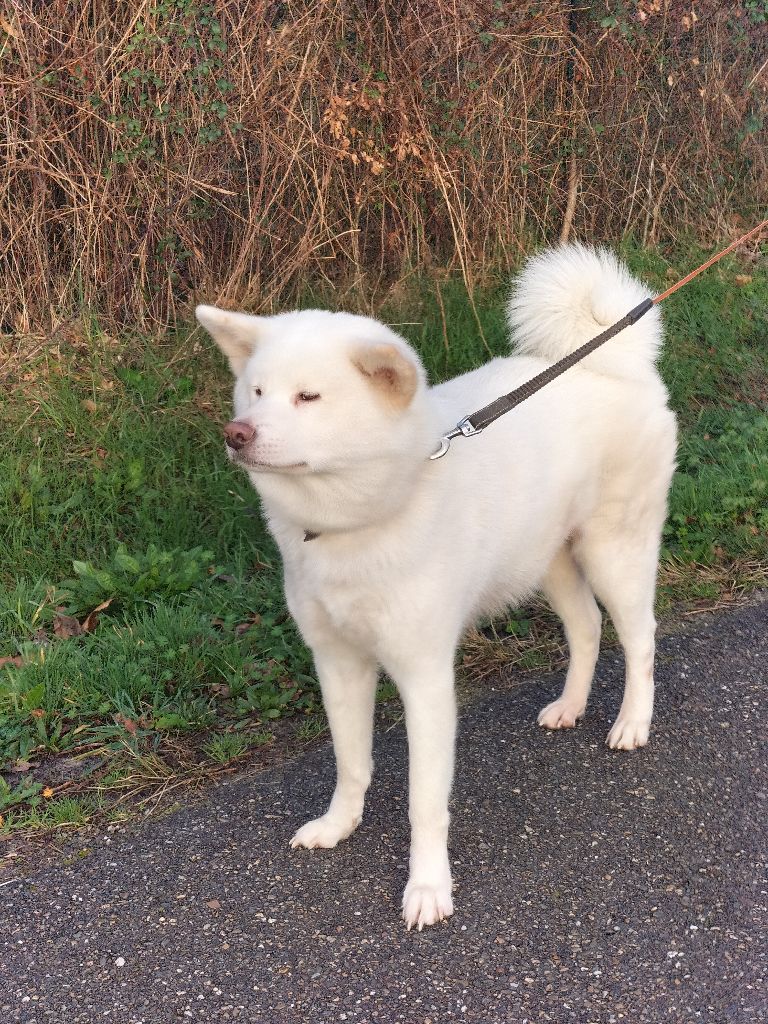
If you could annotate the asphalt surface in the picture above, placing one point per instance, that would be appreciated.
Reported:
(591, 885)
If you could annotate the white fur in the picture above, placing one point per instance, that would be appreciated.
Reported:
(567, 495)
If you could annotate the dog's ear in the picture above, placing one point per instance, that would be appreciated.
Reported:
(390, 371)
(236, 334)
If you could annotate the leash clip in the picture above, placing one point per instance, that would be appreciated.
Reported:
(464, 428)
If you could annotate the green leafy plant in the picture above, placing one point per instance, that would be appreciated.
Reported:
(142, 576)
(27, 791)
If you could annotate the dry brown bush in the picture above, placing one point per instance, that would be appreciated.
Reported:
(238, 150)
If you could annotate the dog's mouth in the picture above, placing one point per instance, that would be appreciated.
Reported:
(268, 467)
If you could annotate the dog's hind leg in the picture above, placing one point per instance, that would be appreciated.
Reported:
(621, 567)
(348, 682)
(571, 597)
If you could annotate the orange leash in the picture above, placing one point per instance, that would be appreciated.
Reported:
(713, 259)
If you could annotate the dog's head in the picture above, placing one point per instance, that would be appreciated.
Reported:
(315, 391)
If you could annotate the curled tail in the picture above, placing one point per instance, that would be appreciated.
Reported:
(566, 296)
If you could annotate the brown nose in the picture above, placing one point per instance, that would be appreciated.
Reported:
(237, 434)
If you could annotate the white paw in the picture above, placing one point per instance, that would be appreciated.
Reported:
(560, 714)
(628, 733)
(323, 833)
(426, 904)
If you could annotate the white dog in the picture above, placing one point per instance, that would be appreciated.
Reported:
(389, 556)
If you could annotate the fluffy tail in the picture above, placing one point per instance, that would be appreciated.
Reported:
(566, 296)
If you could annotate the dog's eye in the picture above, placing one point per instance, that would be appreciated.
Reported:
(257, 392)
(306, 396)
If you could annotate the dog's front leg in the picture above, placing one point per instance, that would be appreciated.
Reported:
(430, 715)
(348, 682)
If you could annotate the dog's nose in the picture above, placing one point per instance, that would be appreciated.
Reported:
(237, 434)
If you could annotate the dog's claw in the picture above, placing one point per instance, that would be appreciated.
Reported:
(559, 715)
(424, 905)
(323, 833)
(628, 734)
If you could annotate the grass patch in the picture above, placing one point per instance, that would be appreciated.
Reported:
(143, 632)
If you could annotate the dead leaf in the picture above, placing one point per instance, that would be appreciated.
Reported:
(9, 29)
(91, 621)
(89, 405)
(742, 279)
(213, 904)
(21, 766)
(66, 626)
(14, 662)
(127, 723)
(243, 627)
(48, 792)
(37, 713)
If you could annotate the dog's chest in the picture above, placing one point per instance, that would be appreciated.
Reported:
(356, 596)
(332, 599)
(356, 611)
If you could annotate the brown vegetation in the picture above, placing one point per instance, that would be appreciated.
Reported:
(238, 150)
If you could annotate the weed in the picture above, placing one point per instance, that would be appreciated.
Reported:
(36, 816)
(27, 791)
(226, 746)
(386, 690)
(312, 727)
(136, 577)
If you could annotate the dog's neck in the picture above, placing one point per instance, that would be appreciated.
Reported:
(317, 504)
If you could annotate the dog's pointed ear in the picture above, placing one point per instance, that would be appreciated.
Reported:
(389, 370)
(236, 334)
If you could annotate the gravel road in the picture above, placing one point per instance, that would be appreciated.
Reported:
(591, 885)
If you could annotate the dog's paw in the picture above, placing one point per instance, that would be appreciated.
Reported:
(560, 714)
(323, 833)
(628, 733)
(424, 905)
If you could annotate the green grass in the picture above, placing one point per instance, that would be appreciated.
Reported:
(114, 491)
